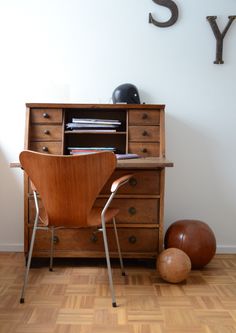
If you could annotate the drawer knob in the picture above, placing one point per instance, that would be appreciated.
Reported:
(55, 240)
(133, 181)
(144, 116)
(132, 239)
(132, 211)
(46, 131)
(45, 115)
(145, 133)
(94, 238)
(144, 150)
(45, 149)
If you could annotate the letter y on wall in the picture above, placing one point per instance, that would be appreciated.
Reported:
(219, 36)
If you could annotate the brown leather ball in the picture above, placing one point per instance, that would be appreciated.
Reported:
(173, 265)
(195, 238)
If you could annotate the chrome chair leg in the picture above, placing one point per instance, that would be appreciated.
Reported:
(118, 248)
(22, 298)
(108, 263)
(52, 249)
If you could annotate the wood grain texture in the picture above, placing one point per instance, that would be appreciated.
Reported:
(96, 106)
(76, 299)
(79, 178)
(142, 132)
(46, 115)
(45, 132)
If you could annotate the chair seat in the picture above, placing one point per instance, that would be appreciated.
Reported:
(94, 218)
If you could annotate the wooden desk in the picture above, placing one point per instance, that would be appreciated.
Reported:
(141, 202)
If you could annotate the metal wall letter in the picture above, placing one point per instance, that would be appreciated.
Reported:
(219, 36)
(174, 13)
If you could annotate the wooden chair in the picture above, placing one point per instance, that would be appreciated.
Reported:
(68, 187)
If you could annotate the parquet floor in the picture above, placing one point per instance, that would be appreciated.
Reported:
(76, 299)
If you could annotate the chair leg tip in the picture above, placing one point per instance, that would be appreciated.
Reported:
(50, 269)
(22, 300)
(114, 304)
(123, 274)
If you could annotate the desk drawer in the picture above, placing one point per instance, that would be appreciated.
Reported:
(46, 147)
(144, 117)
(144, 149)
(142, 182)
(134, 210)
(130, 211)
(45, 132)
(131, 240)
(46, 116)
(144, 133)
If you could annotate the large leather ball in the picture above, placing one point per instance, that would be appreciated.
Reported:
(195, 238)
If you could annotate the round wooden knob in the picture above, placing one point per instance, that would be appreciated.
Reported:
(45, 148)
(145, 133)
(132, 210)
(55, 239)
(132, 239)
(144, 150)
(133, 181)
(45, 115)
(46, 131)
(94, 238)
(144, 116)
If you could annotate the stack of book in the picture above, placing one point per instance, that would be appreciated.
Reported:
(93, 125)
(88, 150)
(126, 156)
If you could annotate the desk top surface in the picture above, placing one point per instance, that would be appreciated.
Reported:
(95, 106)
(134, 163)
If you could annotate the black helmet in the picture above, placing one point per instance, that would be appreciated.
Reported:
(126, 93)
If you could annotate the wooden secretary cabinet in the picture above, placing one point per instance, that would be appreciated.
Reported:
(141, 201)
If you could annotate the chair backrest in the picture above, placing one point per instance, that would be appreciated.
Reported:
(68, 185)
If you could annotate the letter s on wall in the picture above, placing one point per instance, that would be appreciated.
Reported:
(174, 13)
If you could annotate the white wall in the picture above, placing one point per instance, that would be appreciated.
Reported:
(79, 51)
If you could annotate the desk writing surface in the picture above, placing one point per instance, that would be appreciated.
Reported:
(132, 163)
(144, 162)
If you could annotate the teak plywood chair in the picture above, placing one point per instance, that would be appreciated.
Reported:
(68, 187)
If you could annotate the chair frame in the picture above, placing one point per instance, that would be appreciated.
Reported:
(114, 188)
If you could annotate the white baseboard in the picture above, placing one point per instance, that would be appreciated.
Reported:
(231, 249)
(11, 248)
(20, 248)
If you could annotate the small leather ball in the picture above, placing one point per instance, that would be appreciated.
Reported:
(173, 265)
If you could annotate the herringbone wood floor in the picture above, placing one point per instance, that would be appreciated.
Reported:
(76, 299)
